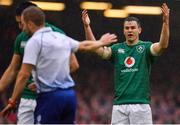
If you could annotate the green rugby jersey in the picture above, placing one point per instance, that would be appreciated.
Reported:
(132, 66)
(19, 45)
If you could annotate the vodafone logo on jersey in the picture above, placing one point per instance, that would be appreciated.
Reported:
(129, 62)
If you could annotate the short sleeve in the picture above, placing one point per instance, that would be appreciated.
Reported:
(17, 45)
(74, 44)
(148, 48)
(114, 52)
(32, 51)
(148, 51)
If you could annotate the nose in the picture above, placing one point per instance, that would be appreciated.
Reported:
(129, 30)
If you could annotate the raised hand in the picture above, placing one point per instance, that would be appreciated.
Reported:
(85, 18)
(165, 13)
(108, 38)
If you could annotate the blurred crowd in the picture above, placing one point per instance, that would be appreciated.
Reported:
(94, 85)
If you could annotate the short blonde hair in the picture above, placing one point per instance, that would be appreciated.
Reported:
(34, 14)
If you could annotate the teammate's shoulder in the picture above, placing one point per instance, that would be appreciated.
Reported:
(22, 34)
(54, 28)
(145, 42)
(118, 44)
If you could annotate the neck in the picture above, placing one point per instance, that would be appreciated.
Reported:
(36, 28)
(131, 43)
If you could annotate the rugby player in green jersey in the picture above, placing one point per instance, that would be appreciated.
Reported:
(27, 103)
(132, 61)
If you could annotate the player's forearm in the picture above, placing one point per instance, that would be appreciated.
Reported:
(164, 38)
(88, 33)
(74, 65)
(8, 77)
(20, 85)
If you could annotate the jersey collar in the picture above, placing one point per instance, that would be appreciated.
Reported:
(43, 29)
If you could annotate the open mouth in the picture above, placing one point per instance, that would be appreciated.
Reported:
(130, 35)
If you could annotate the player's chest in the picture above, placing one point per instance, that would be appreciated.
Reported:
(129, 56)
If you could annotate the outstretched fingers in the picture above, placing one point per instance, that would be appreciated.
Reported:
(84, 12)
(108, 38)
(165, 12)
(85, 17)
(113, 38)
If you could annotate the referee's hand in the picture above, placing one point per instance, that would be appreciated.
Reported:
(32, 86)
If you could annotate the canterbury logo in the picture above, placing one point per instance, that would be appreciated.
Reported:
(23, 44)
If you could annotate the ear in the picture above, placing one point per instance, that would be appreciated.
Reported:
(29, 23)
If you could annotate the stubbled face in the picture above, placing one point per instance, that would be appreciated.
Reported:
(131, 31)
(18, 20)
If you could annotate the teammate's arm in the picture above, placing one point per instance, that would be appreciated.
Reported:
(11, 72)
(103, 52)
(21, 81)
(74, 65)
(87, 28)
(159, 47)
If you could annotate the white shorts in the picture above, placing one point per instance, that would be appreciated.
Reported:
(26, 111)
(131, 114)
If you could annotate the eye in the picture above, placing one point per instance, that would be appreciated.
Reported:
(133, 27)
(126, 28)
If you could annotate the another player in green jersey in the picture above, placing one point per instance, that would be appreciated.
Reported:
(27, 102)
(132, 61)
